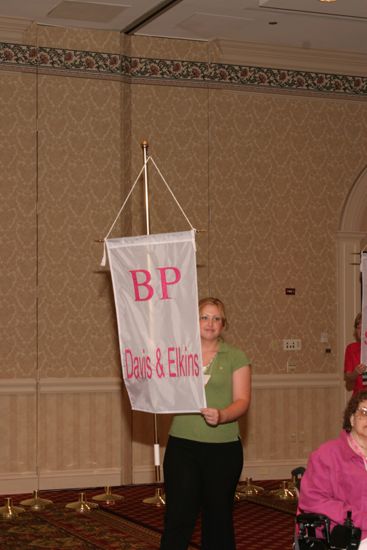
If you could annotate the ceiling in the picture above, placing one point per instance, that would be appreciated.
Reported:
(340, 25)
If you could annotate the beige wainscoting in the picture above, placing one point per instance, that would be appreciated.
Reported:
(78, 432)
(60, 433)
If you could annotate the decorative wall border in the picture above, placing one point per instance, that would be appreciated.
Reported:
(165, 70)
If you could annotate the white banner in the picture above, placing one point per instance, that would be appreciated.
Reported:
(155, 288)
(364, 309)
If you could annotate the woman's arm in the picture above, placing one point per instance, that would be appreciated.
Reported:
(241, 391)
(351, 369)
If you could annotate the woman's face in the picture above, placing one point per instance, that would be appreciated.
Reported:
(358, 331)
(211, 323)
(358, 421)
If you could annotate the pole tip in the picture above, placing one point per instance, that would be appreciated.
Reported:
(144, 143)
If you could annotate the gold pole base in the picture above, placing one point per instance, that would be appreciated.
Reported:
(36, 503)
(9, 511)
(81, 506)
(108, 497)
(158, 499)
(249, 489)
(284, 492)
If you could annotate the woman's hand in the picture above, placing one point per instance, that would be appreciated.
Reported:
(211, 416)
(360, 368)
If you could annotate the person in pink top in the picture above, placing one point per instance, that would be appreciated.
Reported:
(355, 372)
(335, 480)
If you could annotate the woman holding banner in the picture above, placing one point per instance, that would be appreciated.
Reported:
(353, 368)
(204, 456)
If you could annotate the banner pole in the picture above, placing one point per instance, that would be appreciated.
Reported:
(158, 498)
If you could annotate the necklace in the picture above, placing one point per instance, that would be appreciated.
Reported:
(207, 367)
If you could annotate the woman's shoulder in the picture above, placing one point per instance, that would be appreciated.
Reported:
(332, 447)
(353, 347)
(234, 353)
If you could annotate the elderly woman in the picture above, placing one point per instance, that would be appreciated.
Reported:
(335, 480)
(203, 459)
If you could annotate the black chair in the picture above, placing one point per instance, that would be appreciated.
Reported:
(313, 532)
(297, 474)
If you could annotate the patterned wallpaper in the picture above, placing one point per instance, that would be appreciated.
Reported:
(18, 227)
(260, 159)
(280, 170)
(79, 186)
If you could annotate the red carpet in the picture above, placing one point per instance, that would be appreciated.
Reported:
(257, 526)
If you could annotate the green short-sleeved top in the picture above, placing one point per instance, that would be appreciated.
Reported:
(219, 395)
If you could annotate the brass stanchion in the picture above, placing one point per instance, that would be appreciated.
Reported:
(108, 497)
(248, 489)
(158, 499)
(284, 492)
(36, 503)
(81, 506)
(9, 511)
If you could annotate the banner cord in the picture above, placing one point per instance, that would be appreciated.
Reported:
(173, 195)
(104, 257)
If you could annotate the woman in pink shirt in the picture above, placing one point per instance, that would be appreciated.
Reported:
(335, 480)
(353, 368)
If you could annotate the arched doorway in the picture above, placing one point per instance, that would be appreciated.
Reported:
(352, 238)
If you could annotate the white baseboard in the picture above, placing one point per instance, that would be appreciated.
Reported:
(145, 474)
(256, 469)
(15, 483)
(271, 469)
(73, 479)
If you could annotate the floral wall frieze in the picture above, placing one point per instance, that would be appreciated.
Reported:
(185, 72)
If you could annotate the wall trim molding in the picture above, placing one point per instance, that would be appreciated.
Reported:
(81, 385)
(255, 77)
(266, 381)
(13, 29)
(283, 57)
(354, 211)
(256, 469)
(115, 384)
(271, 469)
(27, 482)
(18, 386)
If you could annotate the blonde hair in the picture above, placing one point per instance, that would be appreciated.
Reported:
(215, 302)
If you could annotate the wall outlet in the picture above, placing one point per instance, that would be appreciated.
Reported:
(291, 367)
(292, 344)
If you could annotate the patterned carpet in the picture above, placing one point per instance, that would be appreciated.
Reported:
(130, 524)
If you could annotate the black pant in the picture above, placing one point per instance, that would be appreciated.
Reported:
(200, 477)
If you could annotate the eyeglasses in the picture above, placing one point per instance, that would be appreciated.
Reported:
(362, 411)
(214, 318)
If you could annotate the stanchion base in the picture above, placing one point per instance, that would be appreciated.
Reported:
(158, 499)
(81, 506)
(108, 497)
(9, 511)
(36, 503)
